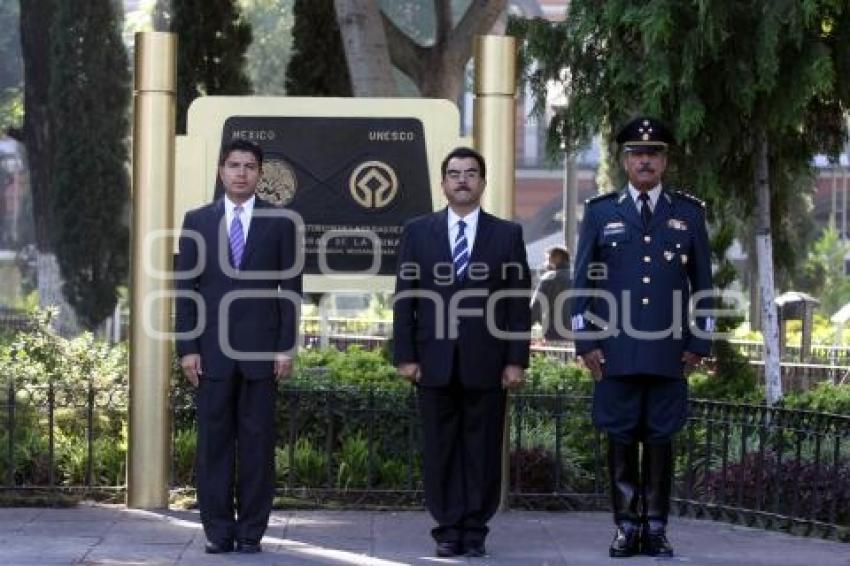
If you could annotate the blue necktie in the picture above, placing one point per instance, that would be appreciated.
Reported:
(460, 253)
(237, 238)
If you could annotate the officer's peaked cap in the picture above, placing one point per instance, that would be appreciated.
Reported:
(644, 133)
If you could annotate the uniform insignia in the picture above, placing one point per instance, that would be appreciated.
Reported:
(598, 198)
(691, 198)
(677, 224)
(668, 255)
(614, 228)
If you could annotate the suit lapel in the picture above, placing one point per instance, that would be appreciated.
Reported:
(440, 228)
(627, 210)
(259, 225)
(482, 233)
(217, 235)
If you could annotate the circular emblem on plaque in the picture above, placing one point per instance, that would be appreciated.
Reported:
(373, 184)
(277, 185)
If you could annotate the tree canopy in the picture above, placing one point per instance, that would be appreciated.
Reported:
(212, 41)
(751, 89)
(89, 98)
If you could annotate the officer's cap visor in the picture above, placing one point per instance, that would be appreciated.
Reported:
(650, 148)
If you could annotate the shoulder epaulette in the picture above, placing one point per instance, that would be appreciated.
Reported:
(690, 198)
(603, 196)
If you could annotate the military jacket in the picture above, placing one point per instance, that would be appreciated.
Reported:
(633, 283)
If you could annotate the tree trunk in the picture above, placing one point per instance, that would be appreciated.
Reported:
(764, 255)
(366, 48)
(439, 70)
(50, 295)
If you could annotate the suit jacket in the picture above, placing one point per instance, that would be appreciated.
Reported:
(256, 326)
(426, 294)
(641, 270)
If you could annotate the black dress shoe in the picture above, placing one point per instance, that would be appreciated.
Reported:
(655, 543)
(447, 549)
(475, 549)
(626, 541)
(248, 547)
(218, 547)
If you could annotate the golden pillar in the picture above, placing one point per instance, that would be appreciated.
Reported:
(151, 253)
(494, 136)
(494, 119)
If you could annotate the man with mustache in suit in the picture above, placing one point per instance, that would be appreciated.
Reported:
(452, 265)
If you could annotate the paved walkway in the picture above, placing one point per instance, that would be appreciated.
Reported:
(100, 534)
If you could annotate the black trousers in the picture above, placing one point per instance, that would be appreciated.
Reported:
(462, 458)
(235, 456)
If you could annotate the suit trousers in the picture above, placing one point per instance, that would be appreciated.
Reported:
(236, 440)
(462, 437)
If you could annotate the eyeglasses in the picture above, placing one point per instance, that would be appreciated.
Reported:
(456, 175)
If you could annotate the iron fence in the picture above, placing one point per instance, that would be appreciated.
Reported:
(755, 465)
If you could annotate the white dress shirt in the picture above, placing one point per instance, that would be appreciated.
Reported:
(654, 193)
(244, 217)
(471, 228)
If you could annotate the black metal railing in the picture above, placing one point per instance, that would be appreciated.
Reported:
(756, 465)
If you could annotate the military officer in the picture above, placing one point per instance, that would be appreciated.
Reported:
(642, 254)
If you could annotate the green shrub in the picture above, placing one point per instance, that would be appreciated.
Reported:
(185, 444)
(824, 398)
(548, 375)
(309, 465)
(353, 462)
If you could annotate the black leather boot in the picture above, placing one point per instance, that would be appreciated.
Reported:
(657, 472)
(623, 468)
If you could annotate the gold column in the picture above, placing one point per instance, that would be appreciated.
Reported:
(494, 118)
(494, 136)
(153, 200)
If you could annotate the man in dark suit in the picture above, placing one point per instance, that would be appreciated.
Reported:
(238, 284)
(646, 250)
(452, 264)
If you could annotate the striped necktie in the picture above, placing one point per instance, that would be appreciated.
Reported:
(237, 238)
(460, 253)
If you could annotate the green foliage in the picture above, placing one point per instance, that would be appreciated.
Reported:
(271, 46)
(826, 397)
(185, 443)
(35, 359)
(318, 66)
(823, 272)
(353, 462)
(548, 375)
(733, 379)
(212, 41)
(309, 465)
(11, 65)
(89, 99)
(364, 368)
(719, 72)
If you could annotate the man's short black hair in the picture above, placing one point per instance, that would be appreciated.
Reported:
(240, 145)
(464, 153)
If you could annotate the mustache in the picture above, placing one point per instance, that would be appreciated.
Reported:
(646, 169)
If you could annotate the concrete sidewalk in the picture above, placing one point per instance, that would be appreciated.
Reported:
(101, 534)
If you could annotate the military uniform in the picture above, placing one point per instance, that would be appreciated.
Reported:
(634, 278)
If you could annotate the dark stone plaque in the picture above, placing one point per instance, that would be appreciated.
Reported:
(342, 175)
